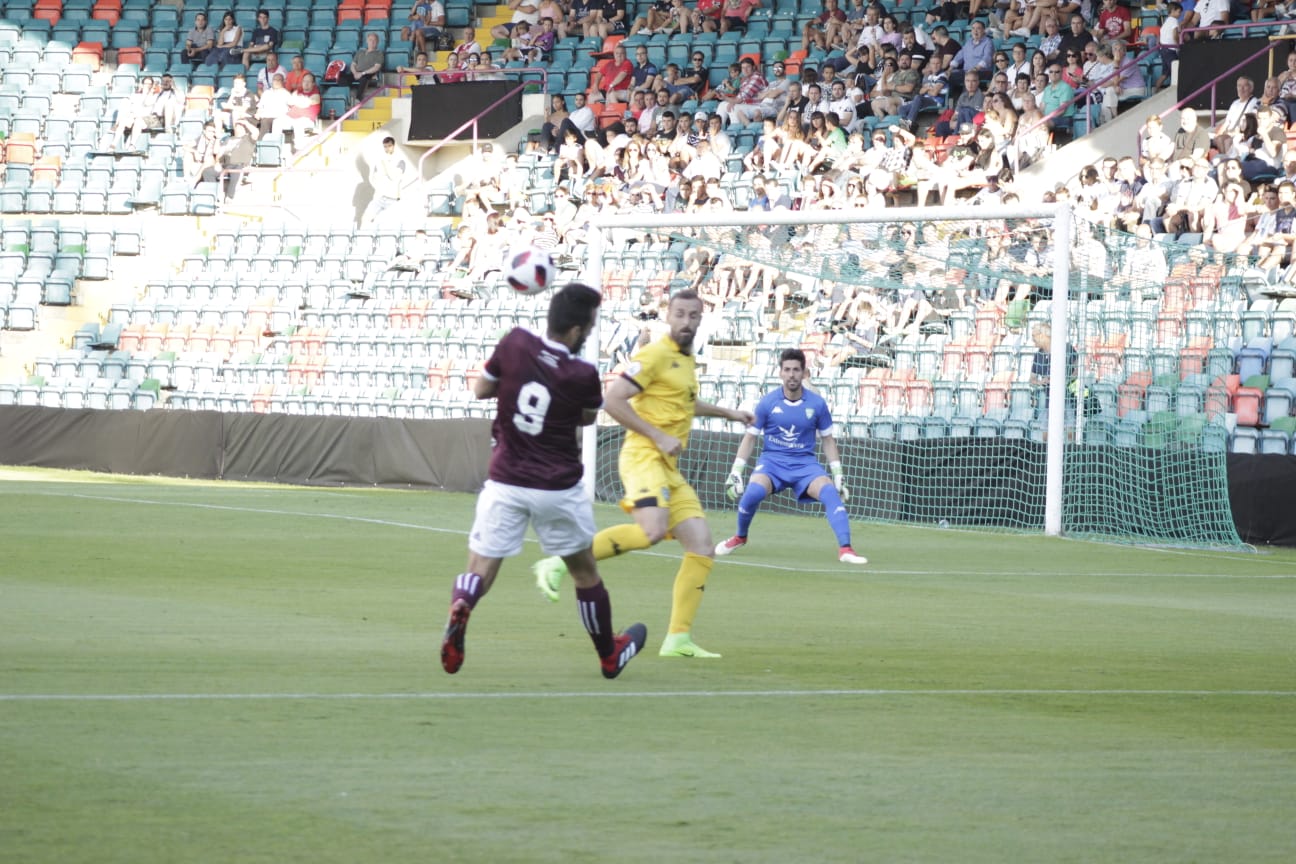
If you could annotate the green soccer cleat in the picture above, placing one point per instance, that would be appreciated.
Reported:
(549, 573)
(682, 645)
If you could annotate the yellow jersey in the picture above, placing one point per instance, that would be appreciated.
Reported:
(667, 382)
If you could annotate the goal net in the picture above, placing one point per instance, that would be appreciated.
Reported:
(1011, 369)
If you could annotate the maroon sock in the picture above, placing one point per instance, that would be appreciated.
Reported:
(596, 614)
(467, 586)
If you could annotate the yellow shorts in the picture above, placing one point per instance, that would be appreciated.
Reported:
(651, 480)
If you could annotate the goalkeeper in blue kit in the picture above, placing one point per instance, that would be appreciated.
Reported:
(790, 419)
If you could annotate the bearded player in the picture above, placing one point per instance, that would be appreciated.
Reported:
(545, 391)
(790, 418)
(655, 399)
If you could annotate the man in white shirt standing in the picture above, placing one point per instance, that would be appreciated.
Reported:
(389, 176)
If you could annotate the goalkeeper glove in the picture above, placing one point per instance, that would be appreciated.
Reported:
(839, 480)
(734, 485)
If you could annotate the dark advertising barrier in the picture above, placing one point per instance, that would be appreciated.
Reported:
(1202, 60)
(453, 455)
(439, 109)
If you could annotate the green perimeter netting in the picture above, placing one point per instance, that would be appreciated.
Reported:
(921, 337)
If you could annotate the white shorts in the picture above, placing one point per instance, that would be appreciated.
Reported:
(563, 520)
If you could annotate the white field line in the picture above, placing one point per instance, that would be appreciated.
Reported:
(874, 571)
(664, 694)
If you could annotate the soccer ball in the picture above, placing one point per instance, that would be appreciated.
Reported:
(530, 271)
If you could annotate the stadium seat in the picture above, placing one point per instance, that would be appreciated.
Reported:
(1244, 440)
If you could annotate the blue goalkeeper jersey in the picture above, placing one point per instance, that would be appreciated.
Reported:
(789, 428)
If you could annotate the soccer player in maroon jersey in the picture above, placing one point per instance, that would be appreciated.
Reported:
(545, 392)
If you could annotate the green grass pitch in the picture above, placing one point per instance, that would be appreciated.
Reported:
(197, 672)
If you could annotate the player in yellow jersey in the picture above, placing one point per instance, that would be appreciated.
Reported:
(655, 399)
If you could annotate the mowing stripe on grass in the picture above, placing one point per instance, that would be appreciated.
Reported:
(633, 694)
(368, 520)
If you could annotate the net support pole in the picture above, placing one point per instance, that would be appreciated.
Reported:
(1055, 446)
(593, 276)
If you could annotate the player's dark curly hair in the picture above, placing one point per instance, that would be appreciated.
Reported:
(792, 354)
(572, 306)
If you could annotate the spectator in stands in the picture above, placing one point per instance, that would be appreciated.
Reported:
(1280, 230)
(1190, 198)
(138, 106)
(1031, 140)
(1212, 13)
(1073, 70)
(168, 106)
(1077, 39)
(946, 48)
(751, 90)
(265, 77)
(583, 15)
(1270, 100)
(229, 42)
(1264, 223)
(613, 78)
(658, 102)
(364, 69)
(976, 54)
(1114, 23)
(524, 12)
(644, 76)
(542, 43)
(1191, 140)
(899, 88)
(1130, 85)
(1155, 193)
(302, 116)
(1051, 39)
(1224, 226)
(389, 176)
(1019, 63)
(412, 76)
(1229, 170)
(1156, 144)
(970, 103)
(1287, 89)
(767, 102)
(293, 77)
(236, 154)
(692, 82)
(817, 30)
(932, 93)
(272, 105)
(238, 105)
(614, 20)
(1260, 154)
(202, 156)
(958, 162)
(656, 19)
(426, 20)
(264, 40)
(467, 47)
(734, 14)
(1245, 103)
(199, 41)
(1058, 95)
(1168, 41)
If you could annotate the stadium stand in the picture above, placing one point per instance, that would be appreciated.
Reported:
(314, 318)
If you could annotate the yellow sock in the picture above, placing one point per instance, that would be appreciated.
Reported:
(618, 540)
(690, 582)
